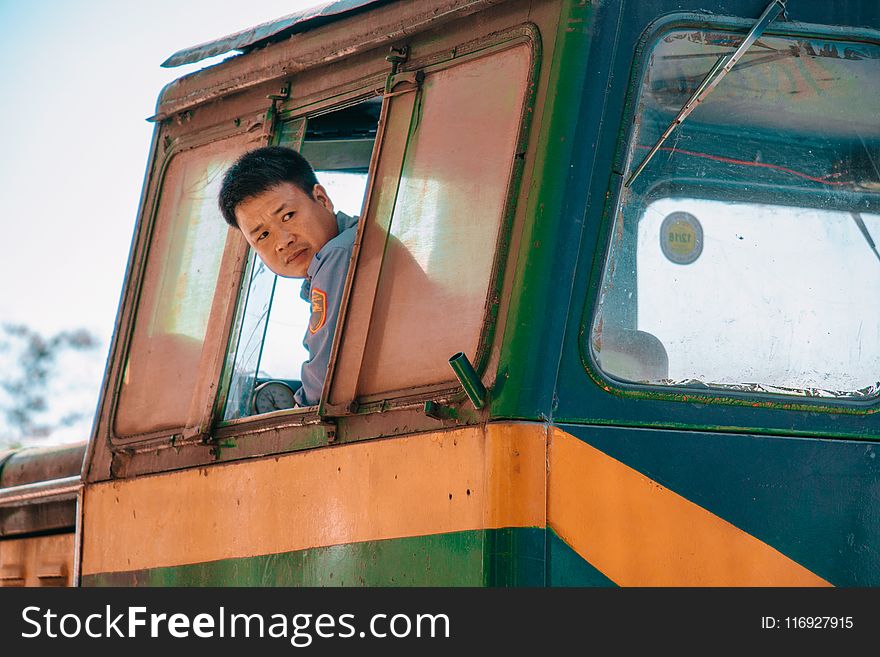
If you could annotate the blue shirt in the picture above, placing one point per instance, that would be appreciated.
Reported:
(323, 289)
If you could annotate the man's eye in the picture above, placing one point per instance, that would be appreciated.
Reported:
(287, 217)
(263, 235)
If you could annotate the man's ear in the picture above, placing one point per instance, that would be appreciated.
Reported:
(319, 195)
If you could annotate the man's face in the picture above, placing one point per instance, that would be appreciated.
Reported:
(287, 227)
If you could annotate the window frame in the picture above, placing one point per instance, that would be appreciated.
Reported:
(410, 398)
(318, 425)
(320, 433)
(612, 208)
(140, 255)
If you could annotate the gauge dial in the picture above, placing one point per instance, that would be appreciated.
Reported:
(273, 396)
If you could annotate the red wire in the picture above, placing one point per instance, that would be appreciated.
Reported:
(765, 165)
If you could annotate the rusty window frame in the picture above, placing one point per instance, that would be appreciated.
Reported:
(141, 250)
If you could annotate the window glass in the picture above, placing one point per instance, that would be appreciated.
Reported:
(437, 263)
(744, 256)
(178, 309)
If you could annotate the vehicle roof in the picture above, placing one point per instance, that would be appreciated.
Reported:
(264, 33)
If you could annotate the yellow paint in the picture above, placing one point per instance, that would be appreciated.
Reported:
(466, 479)
(37, 561)
(505, 475)
(639, 533)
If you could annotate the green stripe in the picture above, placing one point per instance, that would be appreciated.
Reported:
(565, 567)
(503, 557)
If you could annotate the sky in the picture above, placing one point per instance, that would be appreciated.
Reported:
(78, 81)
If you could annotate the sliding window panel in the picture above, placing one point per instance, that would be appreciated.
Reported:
(440, 256)
(186, 296)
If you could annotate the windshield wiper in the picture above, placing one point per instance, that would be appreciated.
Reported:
(865, 233)
(713, 77)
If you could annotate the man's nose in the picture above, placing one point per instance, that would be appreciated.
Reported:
(285, 240)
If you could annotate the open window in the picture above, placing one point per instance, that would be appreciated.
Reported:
(428, 251)
(744, 256)
(266, 351)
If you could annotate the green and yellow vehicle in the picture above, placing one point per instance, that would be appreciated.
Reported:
(611, 317)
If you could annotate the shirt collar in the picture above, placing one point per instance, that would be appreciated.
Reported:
(343, 223)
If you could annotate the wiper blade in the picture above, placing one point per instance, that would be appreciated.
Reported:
(713, 77)
(865, 233)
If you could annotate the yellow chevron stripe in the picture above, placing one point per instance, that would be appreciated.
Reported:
(639, 533)
(474, 478)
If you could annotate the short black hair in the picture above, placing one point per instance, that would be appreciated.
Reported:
(261, 169)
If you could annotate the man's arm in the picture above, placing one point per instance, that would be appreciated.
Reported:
(327, 284)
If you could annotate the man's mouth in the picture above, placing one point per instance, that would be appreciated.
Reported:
(295, 255)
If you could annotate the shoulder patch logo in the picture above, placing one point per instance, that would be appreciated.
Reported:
(319, 310)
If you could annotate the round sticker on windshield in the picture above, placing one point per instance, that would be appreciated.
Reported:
(681, 238)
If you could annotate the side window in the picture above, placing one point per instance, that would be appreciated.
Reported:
(267, 351)
(181, 317)
(428, 255)
(744, 256)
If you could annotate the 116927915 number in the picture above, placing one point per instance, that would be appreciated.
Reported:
(807, 622)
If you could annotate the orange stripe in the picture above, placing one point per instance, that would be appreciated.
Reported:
(639, 533)
(474, 478)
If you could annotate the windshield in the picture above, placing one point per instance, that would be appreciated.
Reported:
(743, 257)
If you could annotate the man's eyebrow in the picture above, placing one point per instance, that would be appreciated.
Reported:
(257, 228)
(280, 208)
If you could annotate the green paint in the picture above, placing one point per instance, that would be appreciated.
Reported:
(521, 388)
(815, 501)
(515, 557)
(565, 567)
(504, 557)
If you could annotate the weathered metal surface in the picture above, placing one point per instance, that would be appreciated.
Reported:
(479, 478)
(38, 489)
(34, 516)
(817, 502)
(37, 561)
(39, 464)
(180, 319)
(342, 377)
(277, 29)
(493, 557)
(551, 203)
(346, 38)
(640, 533)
